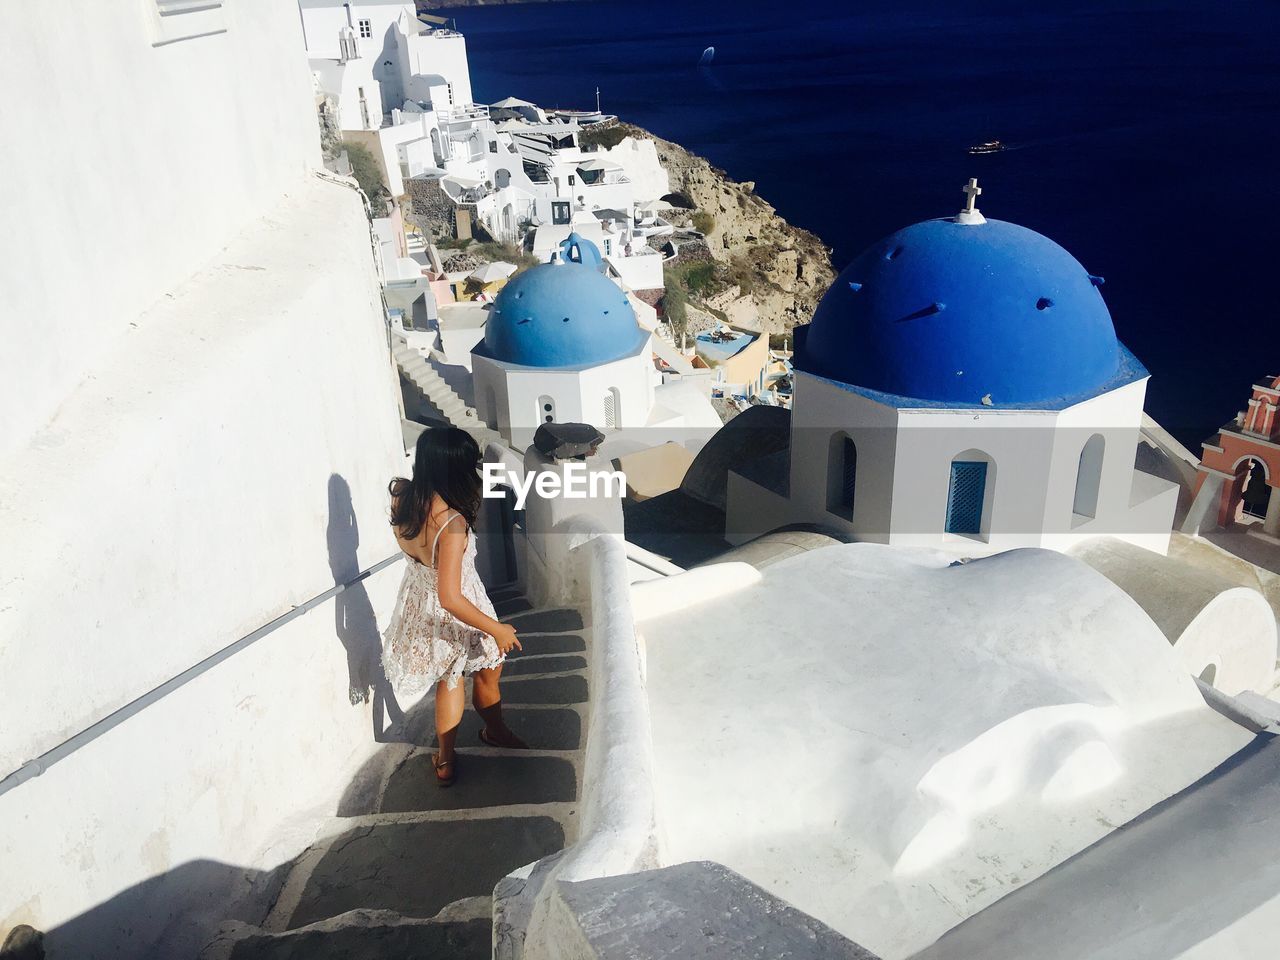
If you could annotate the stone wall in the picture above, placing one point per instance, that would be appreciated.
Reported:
(431, 209)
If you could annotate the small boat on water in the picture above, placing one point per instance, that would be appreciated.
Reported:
(708, 55)
(991, 146)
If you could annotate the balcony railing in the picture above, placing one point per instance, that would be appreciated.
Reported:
(463, 111)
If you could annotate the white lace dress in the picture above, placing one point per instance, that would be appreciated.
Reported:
(424, 642)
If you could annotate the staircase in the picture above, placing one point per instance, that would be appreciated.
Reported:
(420, 376)
(408, 870)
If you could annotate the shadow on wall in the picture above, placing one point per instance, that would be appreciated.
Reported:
(353, 618)
(178, 913)
(179, 908)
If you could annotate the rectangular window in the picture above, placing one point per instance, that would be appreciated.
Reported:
(366, 29)
(560, 212)
(608, 246)
(966, 497)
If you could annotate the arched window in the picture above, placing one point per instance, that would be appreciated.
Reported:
(1255, 494)
(612, 409)
(842, 475)
(1089, 477)
(546, 410)
(502, 178)
(968, 494)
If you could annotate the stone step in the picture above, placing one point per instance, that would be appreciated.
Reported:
(505, 592)
(373, 933)
(543, 727)
(435, 387)
(567, 689)
(529, 664)
(437, 391)
(546, 621)
(537, 644)
(452, 411)
(417, 868)
(554, 728)
(483, 780)
(513, 605)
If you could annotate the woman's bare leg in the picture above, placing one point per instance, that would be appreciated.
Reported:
(449, 707)
(486, 697)
(484, 688)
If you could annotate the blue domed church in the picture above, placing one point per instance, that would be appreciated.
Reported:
(562, 344)
(961, 385)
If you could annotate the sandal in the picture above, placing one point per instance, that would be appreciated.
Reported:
(512, 743)
(443, 781)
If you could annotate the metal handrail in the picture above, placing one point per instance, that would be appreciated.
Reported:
(34, 768)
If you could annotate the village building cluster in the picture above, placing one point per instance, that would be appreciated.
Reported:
(909, 633)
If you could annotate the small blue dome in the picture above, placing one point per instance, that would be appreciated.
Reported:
(566, 314)
(950, 313)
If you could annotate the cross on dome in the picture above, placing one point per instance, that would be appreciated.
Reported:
(970, 213)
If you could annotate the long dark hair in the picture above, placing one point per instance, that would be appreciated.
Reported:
(445, 464)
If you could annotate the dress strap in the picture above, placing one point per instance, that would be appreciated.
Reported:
(452, 518)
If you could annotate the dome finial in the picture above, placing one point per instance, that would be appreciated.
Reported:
(970, 213)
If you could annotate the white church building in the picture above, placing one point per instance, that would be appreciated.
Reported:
(562, 344)
(961, 386)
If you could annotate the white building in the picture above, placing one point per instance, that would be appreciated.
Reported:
(961, 386)
(387, 56)
(402, 88)
(562, 343)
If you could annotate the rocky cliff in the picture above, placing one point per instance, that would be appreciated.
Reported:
(783, 269)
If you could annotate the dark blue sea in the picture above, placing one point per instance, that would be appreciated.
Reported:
(1144, 138)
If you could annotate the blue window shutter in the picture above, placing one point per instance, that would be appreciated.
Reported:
(966, 496)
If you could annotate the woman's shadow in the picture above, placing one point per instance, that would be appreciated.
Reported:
(353, 617)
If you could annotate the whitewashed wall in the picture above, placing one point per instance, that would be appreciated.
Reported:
(324, 19)
(507, 397)
(185, 145)
(903, 473)
(444, 53)
(639, 158)
(203, 444)
(227, 463)
(641, 272)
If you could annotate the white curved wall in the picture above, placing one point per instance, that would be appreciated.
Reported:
(129, 167)
(891, 743)
(1213, 622)
(1235, 634)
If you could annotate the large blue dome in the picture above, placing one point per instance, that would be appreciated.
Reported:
(950, 313)
(563, 314)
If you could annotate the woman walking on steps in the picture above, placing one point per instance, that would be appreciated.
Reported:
(444, 626)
